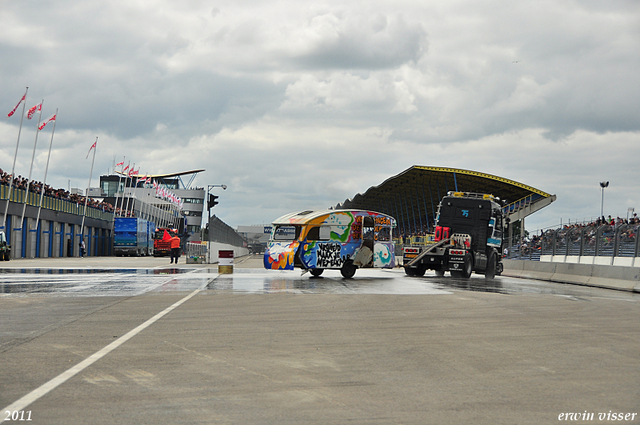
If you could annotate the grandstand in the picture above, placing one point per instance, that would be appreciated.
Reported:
(412, 196)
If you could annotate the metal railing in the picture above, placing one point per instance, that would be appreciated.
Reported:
(51, 203)
(223, 233)
(581, 241)
(193, 249)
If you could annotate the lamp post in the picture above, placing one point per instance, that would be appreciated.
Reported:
(209, 187)
(603, 185)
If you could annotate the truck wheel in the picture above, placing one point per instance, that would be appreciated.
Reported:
(439, 272)
(492, 262)
(414, 271)
(348, 270)
(467, 267)
(316, 272)
(499, 268)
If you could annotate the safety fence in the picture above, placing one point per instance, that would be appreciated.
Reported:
(581, 241)
(221, 232)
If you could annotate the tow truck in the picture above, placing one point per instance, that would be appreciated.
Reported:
(468, 238)
(161, 244)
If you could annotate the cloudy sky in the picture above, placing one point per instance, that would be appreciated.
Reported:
(301, 105)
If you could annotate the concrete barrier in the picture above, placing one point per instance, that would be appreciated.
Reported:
(215, 247)
(603, 276)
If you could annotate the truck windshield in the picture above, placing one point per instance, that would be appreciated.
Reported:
(160, 234)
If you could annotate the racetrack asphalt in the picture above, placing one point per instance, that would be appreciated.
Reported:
(216, 357)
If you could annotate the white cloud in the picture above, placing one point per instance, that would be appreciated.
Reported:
(295, 106)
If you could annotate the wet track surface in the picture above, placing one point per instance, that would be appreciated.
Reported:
(132, 341)
(130, 282)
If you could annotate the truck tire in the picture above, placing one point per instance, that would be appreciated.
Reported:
(316, 272)
(348, 270)
(492, 263)
(415, 271)
(467, 267)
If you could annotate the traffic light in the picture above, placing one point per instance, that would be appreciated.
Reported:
(212, 201)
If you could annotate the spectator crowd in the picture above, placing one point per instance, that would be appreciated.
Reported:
(571, 233)
(20, 182)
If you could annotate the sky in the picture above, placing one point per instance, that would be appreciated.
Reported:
(301, 105)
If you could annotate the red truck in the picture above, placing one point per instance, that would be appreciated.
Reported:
(161, 238)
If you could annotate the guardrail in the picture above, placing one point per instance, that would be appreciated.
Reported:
(520, 203)
(605, 241)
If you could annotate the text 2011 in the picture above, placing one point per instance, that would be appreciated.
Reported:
(17, 415)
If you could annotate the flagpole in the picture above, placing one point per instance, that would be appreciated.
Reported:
(86, 197)
(130, 185)
(46, 169)
(13, 167)
(123, 188)
(33, 155)
(124, 158)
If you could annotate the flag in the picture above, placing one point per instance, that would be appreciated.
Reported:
(125, 169)
(166, 237)
(24, 97)
(33, 110)
(119, 164)
(47, 121)
(92, 147)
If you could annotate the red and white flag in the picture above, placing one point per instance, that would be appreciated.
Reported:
(125, 169)
(92, 147)
(33, 110)
(47, 121)
(24, 97)
(119, 164)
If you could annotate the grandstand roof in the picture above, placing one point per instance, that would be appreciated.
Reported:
(159, 176)
(413, 195)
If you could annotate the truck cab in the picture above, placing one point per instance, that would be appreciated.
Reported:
(468, 238)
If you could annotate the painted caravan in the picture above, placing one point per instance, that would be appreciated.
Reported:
(344, 240)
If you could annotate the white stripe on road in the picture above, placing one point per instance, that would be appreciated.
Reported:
(34, 395)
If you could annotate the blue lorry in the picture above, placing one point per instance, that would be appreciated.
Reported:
(133, 236)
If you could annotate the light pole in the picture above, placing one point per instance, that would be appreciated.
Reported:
(211, 202)
(603, 185)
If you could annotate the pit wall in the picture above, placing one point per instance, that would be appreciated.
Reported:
(214, 247)
(622, 278)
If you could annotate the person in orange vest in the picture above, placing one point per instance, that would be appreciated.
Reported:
(175, 248)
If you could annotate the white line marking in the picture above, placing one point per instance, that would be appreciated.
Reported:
(34, 395)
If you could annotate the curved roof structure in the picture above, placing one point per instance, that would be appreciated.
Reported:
(160, 176)
(412, 196)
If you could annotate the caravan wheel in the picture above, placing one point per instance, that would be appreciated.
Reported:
(348, 270)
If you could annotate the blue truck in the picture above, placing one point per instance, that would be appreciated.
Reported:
(133, 236)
